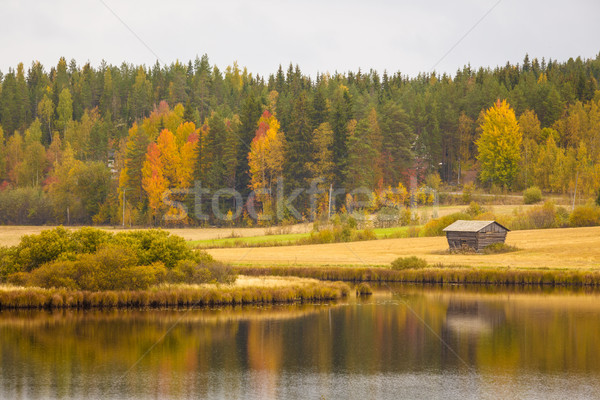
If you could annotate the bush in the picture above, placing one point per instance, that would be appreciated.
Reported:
(412, 262)
(110, 268)
(586, 215)
(222, 273)
(188, 271)
(532, 195)
(538, 217)
(498, 248)
(363, 289)
(435, 226)
(474, 209)
(152, 245)
(35, 250)
(467, 194)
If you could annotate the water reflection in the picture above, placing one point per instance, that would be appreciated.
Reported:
(406, 342)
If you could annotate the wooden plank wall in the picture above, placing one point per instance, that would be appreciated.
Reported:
(476, 240)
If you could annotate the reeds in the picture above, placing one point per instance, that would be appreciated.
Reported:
(169, 296)
(363, 289)
(437, 274)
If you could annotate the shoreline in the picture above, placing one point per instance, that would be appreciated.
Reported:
(437, 275)
(293, 290)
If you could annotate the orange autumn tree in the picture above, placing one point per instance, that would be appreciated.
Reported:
(153, 179)
(169, 166)
(266, 157)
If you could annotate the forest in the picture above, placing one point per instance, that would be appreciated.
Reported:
(120, 144)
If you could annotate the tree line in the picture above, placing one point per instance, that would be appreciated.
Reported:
(83, 144)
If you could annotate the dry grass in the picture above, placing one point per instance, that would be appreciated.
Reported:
(551, 248)
(249, 291)
(272, 281)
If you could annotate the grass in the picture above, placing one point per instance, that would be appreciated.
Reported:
(247, 291)
(11, 235)
(438, 274)
(565, 248)
(289, 239)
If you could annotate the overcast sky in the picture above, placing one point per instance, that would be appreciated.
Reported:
(335, 35)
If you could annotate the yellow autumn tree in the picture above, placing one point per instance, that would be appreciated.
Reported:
(169, 164)
(499, 145)
(266, 156)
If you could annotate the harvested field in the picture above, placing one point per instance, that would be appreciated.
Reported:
(550, 248)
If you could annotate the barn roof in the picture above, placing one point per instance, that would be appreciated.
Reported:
(470, 226)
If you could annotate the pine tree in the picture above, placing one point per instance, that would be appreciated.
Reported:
(397, 139)
(340, 117)
(249, 116)
(364, 154)
(299, 149)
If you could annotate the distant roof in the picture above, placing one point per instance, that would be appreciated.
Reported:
(470, 226)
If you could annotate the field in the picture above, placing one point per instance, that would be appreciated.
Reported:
(550, 248)
(10, 235)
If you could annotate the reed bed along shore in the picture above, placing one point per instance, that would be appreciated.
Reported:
(13, 297)
(436, 275)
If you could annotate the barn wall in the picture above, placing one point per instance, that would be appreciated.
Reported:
(486, 238)
(456, 240)
(476, 240)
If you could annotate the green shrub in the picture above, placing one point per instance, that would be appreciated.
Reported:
(411, 262)
(435, 226)
(35, 250)
(498, 248)
(112, 267)
(474, 209)
(188, 271)
(586, 215)
(532, 195)
(88, 240)
(8, 264)
(152, 245)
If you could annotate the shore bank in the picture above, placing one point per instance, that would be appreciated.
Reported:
(247, 290)
(436, 275)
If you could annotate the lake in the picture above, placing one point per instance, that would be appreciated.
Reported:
(402, 342)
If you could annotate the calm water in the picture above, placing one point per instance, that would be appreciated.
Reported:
(412, 343)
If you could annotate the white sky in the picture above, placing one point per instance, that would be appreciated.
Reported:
(406, 36)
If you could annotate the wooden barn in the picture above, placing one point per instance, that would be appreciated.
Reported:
(474, 234)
